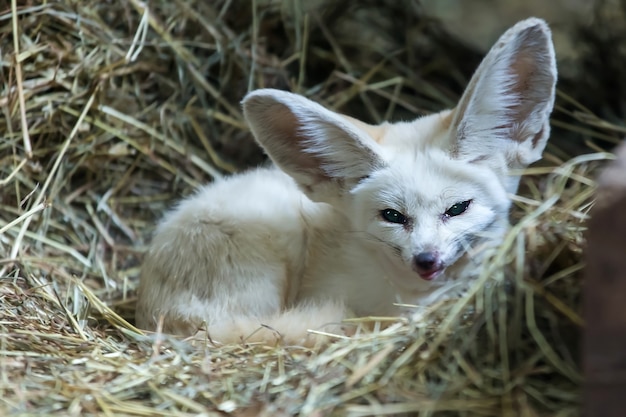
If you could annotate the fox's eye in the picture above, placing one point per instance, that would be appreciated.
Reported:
(458, 208)
(393, 216)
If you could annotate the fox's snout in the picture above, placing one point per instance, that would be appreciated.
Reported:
(428, 264)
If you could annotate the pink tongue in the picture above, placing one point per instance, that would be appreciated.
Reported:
(429, 276)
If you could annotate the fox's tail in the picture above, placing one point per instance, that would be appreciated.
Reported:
(308, 325)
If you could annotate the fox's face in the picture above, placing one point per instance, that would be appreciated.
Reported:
(424, 211)
(422, 194)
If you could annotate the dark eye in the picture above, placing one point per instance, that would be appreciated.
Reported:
(458, 208)
(393, 216)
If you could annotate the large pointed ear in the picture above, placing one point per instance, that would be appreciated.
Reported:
(504, 113)
(321, 150)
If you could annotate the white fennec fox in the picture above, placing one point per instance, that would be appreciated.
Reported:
(354, 218)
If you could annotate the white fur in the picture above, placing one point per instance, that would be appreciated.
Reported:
(304, 245)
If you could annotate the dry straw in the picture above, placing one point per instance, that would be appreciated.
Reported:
(114, 109)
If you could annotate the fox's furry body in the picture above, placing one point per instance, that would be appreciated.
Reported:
(354, 218)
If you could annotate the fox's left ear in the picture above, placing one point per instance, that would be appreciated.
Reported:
(506, 107)
(325, 153)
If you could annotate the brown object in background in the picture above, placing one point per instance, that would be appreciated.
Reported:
(605, 296)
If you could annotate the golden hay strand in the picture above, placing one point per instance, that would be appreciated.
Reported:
(113, 110)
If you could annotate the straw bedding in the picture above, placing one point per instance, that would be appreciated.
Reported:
(113, 110)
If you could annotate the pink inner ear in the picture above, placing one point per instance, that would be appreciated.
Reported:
(288, 144)
(523, 68)
(274, 118)
(532, 83)
(526, 81)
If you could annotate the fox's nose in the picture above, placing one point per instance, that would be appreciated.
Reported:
(427, 264)
(426, 260)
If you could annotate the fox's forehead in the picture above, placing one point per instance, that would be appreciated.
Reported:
(428, 130)
(433, 177)
(420, 170)
(431, 131)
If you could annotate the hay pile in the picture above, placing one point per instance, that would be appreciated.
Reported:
(113, 110)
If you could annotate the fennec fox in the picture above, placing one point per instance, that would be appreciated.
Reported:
(354, 219)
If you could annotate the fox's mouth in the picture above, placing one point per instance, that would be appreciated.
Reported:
(430, 275)
(428, 265)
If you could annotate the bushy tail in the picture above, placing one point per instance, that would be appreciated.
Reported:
(309, 325)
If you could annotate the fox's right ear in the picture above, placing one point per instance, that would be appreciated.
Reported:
(505, 110)
(321, 150)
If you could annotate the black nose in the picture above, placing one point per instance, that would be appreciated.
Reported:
(426, 261)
